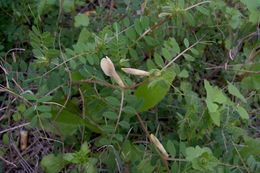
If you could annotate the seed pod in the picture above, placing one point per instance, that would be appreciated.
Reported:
(107, 66)
(136, 72)
(23, 139)
(109, 69)
(158, 144)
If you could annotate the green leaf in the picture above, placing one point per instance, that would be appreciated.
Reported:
(21, 108)
(202, 159)
(16, 116)
(150, 64)
(186, 42)
(212, 107)
(251, 82)
(138, 26)
(124, 124)
(52, 163)
(129, 110)
(242, 112)
(203, 10)
(215, 116)
(81, 20)
(113, 101)
(30, 97)
(214, 94)
(45, 99)
(68, 122)
(171, 148)
(232, 89)
(192, 153)
(189, 57)
(45, 115)
(158, 60)
(43, 108)
(29, 112)
(110, 115)
(183, 74)
(175, 46)
(166, 54)
(151, 96)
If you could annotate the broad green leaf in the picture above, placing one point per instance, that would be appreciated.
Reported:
(215, 116)
(68, 122)
(52, 163)
(214, 94)
(212, 107)
(151, 96)
(242, 112)
(81, 20)
(232, 89)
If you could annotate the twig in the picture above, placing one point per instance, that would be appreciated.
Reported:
(13, 128)
(151, 29)
(104, 83)
(120, 110)
(179, 55)
(14, 49)
(243, 162)
(8, 162)
(195, 5)
(83, 113)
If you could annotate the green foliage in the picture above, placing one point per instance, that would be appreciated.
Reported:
(202, 90)
(202, 159)
(152, 92)
(52, 163)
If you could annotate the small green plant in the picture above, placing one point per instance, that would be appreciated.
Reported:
(96, 79)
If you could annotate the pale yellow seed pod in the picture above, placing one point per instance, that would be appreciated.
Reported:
(136, 72)
(109, 69)
(107, 66)
(23, 139)
(158, 144)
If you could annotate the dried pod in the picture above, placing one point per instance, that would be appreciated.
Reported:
(23, 139)
(109, 69)
(136, 72)
(158, 144)
(107, 66)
